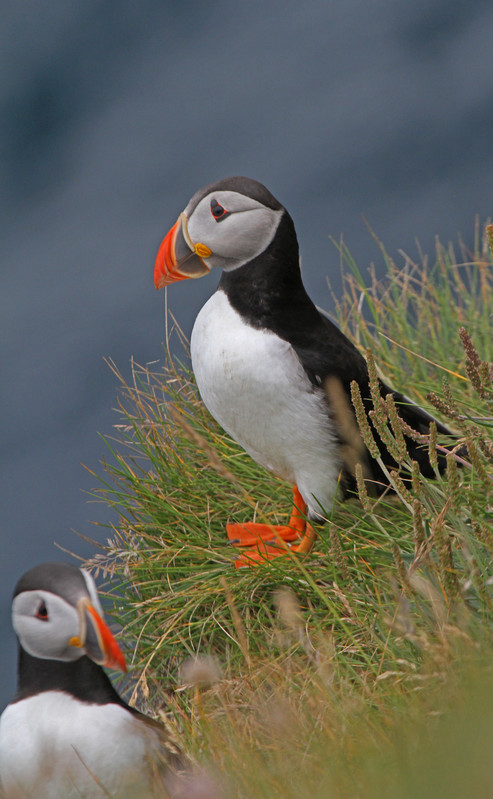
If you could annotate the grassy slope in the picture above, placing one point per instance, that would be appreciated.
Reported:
(336, 675)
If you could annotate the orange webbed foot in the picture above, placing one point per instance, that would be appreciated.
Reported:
(267, 541)
(255, 556)
(247, 534)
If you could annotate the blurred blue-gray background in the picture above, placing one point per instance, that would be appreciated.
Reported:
(114, 113)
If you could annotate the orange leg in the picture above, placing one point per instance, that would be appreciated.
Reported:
(246, 534)
(269, 541)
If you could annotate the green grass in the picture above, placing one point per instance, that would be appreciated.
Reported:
(340, 674)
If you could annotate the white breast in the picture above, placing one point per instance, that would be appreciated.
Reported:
(54, 747)
(253, 384)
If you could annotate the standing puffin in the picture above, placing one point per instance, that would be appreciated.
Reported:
(67, 733)
(272, 370)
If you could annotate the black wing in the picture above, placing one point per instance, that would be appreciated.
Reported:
(327, 354)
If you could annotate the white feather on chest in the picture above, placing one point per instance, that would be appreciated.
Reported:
(55, 747)
(254, 385)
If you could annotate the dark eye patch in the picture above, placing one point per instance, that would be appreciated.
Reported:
(42, 611)
(218, 212)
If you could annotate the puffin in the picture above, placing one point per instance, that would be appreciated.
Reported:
(273, 370)
(67, 732)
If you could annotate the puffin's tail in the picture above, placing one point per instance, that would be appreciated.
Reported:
(418, 422)
(354, 451)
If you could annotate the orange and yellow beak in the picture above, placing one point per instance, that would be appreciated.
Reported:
(178, 257)
(96, 639)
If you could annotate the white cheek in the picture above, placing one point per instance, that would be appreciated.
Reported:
(48, 640)
(247, 235)
(238, 238)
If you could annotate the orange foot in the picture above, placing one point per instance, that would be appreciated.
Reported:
(269, 541)
(262, 551)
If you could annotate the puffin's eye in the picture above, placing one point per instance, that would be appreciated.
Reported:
(218, 212)
(42, 611)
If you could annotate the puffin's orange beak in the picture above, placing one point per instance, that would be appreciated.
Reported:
(178, 257)
(96, 638)
(113, 655)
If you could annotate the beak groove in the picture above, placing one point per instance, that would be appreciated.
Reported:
(178, 257)
(96, 638)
